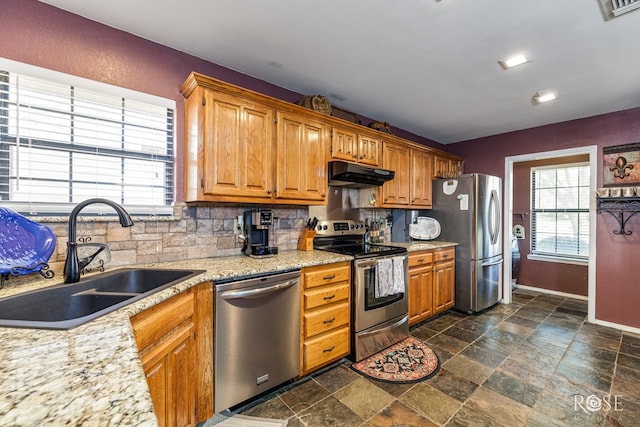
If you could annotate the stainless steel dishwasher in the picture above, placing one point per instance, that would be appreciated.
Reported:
(257, 336)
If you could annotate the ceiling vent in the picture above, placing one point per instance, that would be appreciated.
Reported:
(614, 8)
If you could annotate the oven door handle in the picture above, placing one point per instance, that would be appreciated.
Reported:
(367, 263)
(373, 261)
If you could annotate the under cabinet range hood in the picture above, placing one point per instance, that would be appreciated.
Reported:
(352, 175)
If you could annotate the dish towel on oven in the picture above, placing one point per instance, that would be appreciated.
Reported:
(390, 276)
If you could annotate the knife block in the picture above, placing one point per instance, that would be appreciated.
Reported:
(305, 243)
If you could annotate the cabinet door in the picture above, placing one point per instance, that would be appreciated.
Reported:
(421, 176)
(181, 387)
(368, 150)
(238, 147)
(395, 193)
(443, 285)
(171, 372)
(420, 293)
(156, 372)
(444, 167)
(343, 145)
(301, 158)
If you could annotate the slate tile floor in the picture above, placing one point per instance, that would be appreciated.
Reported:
(535, 362)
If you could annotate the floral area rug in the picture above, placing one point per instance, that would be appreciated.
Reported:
(408, 361)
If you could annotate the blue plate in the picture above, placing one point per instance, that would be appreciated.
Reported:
(25, 245)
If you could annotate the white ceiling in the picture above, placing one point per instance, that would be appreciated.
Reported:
(427, 66)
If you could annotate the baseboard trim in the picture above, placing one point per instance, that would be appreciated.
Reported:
(613, 325)
(549, 291)
(624, 328)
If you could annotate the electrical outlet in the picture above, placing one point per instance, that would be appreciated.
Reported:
(237, 227)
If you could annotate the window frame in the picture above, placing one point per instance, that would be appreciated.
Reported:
(539, 255)
(166, 159)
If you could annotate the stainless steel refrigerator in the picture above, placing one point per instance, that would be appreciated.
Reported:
(469, 211)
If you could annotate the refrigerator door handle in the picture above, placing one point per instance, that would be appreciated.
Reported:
(495, 225)
(489, 264)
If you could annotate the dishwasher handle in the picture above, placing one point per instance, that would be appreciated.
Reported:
(256, 292)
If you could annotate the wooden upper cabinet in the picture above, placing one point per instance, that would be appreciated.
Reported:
(245, 147)
(301, 159)
(445, 166)
(396, 192)
(344, 145)
(238, 150)
(353, 146)
(421, 176)
(369, 150)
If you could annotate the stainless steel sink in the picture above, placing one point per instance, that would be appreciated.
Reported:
(67, 306)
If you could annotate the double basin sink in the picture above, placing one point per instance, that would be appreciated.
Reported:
(69, 305)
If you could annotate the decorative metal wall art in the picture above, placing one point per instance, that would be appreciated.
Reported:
(621, 165)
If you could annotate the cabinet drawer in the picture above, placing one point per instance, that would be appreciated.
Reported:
(325, 319)
(326, 348)
(324, 276)
(325, 295)
(158, 321)
(445, 255)
(420, 258)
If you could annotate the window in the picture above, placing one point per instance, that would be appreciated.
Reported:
(560, 211)
(65, 139)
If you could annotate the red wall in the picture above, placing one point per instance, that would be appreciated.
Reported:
(617, 281)
(39, 34)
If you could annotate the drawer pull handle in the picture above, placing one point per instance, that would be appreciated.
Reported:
(326, 322)
(329, 350)
(330, 297)
(421, 260)
(333, 276)
(445, 256)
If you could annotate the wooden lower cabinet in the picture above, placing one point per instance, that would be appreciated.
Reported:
(420, 286)
(175, 343)
(325, 315)
(431, 283)
(444, 281)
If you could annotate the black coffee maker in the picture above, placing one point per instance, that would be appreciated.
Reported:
(257, 223)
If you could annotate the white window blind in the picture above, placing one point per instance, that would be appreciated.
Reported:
(560, 211)
(64, 139)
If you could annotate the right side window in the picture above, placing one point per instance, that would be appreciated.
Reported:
(560, 211)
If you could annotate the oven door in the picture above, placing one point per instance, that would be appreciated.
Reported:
(369, 310)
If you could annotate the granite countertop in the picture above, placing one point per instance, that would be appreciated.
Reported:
(92, 374)
(423, 245)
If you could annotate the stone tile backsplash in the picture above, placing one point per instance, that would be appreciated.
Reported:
(191, 233)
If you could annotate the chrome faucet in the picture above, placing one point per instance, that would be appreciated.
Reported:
(72, 265)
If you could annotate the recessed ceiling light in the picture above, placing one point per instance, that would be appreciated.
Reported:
(514, 61)
(544, 96)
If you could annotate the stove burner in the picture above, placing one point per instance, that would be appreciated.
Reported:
(347, 237)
